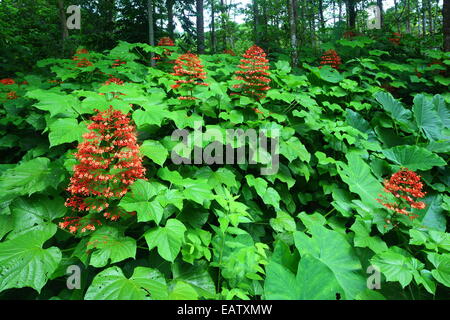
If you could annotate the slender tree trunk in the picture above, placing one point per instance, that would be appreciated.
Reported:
(446, 25)
(223, 22)
(340, 10)
(380, 5)
(151, 29)
(408, 16)
(170, 23)
(351, 14)
(63, 20)
(200, 28)
(292, 7)
(265, 23)
(256, 22)
(424, 24)
(334, 13)
(430, 16)
(213, 27)
(321, 18)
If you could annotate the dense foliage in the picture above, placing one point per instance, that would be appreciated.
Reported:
(362, 179)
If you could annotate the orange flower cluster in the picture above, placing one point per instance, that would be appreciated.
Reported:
(253, 71)
(11, 95)
(108, 163)
(165, 42)
(83, 61)
(230, 52)
(331, 58)
(117, 63)
(190, 70)
(7, 81)
(395, 38)
(349, 34)
(114, 80)
(406, 186)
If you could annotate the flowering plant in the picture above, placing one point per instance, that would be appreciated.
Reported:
(109, 162)
(406, 187)
(253, 71)
(331, 58)
(190, 71)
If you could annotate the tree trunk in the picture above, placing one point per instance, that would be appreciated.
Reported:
(200, 28)
(380, 6)
(63, 20)
(170, 24)
(292, 7)
(151, 30)
(213, 27)
(423, 19)
(351, 14)
(340, 10)
(446, 25)
(256, 22)
(223, 22)
(321, 18)
(430, 16)
(408, 17)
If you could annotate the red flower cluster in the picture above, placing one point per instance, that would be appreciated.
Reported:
(7, 81)
(190, 70)
(83, 61)
(331, 58)
(229, 51)
(349, 34)
(114, 80)
(11, 95)
(165, 42)
(406, 186)
(117, 63)
(395, 38)
(109, 162)
(254, 66)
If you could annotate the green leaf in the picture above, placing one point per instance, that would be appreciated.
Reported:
(65, 130)
(293, 149)
(30, 177)
(110, 246)
(167, 239)
(142, 200)
(414, 157)
(23, 261)
(282, 222)
(442, 264)
(393, 107)
(55, 103)
(396, 266)
(357, 175)
(427, 118)
(183, 291)
(35, 212)
(363, 238)
(197, 190)
(150, 117)
(155, 151)
(328, 252)
(144, 284)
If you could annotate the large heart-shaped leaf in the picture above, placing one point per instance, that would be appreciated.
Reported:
(23, 261)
